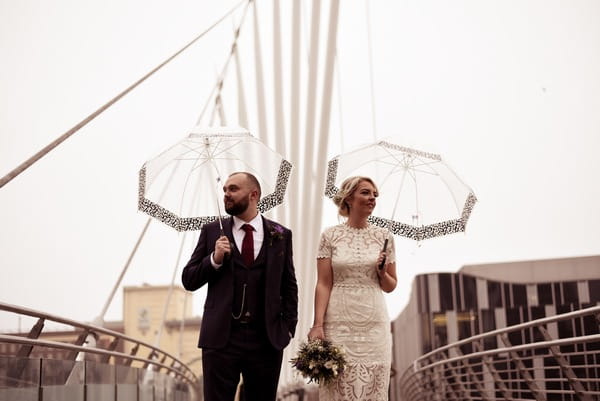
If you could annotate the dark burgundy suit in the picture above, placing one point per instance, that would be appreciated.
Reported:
(222, 338)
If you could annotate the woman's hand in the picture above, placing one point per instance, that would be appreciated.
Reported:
(387, 274)
(316, 332)
(381, 259)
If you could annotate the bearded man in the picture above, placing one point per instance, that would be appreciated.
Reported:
(251, 308)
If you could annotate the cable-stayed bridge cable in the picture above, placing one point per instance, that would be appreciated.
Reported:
(29, 162)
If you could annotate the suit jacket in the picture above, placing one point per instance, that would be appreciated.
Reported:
(281, 289)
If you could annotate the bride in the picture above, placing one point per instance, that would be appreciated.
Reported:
(349, 307)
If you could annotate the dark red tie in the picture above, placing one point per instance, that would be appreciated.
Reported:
(248, 245)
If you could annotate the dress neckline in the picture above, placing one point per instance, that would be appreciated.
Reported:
(356, 229)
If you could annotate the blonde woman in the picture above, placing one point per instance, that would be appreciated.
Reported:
(349, 307)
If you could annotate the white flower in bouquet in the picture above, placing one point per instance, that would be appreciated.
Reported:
(319, 361)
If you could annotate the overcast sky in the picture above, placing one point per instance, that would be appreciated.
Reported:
(508, 92)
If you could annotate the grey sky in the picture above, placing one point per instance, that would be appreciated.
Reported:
(508, 93)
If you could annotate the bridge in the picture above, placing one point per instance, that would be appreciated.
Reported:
(528, 361)
(531, 364)
(100, 364)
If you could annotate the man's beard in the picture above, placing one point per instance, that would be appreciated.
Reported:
(238, 207)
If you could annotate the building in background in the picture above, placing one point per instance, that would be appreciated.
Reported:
(448, 307)
(143, 309)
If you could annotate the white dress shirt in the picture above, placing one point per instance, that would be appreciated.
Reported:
(238, 235)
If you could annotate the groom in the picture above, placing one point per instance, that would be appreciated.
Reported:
(251, 308)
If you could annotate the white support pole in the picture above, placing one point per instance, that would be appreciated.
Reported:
(280, 145)
(325, 119)
(260, 85)
(294, 185)
(307, 177)
(99, 320)
(168, 301)
(242, 109)
(221, 77)
(221, 110)
(279, 126)
(371, 78)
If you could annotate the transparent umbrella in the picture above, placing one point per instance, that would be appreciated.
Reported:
(182, 187)
(420, 196)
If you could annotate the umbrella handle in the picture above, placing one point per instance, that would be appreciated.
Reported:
(384, 248)
(227, 254)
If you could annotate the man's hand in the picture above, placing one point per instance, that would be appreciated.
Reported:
(222, 248)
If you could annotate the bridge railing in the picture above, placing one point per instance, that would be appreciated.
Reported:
(523, 362)
(118, 367)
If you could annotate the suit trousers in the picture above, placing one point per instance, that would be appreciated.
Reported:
(248, 352)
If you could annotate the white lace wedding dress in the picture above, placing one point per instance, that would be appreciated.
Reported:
(357, 316)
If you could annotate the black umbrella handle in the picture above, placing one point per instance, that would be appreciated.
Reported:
(384, 248)
(227, 255)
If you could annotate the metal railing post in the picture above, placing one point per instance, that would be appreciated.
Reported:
(572, 378)
(522, 369)
(484, 395)
(498, 381)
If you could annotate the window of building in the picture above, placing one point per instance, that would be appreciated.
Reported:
(590, 325)
(488, 323)
(594, 290)
(458, 295)
(557, 294)
(494, 294)
(537, 312)
(569, 291)
(427, 337)
(440, 330)
(525, 318)
(513, 316)
(507, 299)
(545, 294)
(467, 327)
(469, 292)
(566, 328)
(519, 295)
(423, 288)
(445, 281)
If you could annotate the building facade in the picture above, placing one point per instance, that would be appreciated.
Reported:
(448, 307)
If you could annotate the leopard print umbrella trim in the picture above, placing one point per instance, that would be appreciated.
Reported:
(403, 229)
(195, 223)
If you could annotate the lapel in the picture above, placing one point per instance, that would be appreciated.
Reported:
(272, 245)
(272, 249)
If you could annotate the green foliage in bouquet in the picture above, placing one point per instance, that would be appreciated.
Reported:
(320, 361)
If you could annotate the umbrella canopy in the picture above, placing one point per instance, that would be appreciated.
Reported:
(182, 186)
(420, 197)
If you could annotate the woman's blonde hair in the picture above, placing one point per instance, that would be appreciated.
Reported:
(347, 190)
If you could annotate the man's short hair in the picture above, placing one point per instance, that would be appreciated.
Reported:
(250, 178)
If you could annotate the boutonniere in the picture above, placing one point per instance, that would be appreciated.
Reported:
(275, 232)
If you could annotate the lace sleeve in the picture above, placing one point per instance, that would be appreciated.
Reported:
(324, 250)
(391, 249)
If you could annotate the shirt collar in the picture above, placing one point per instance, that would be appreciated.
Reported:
(256, 223)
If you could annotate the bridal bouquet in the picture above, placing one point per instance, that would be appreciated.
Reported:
(320, 361)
